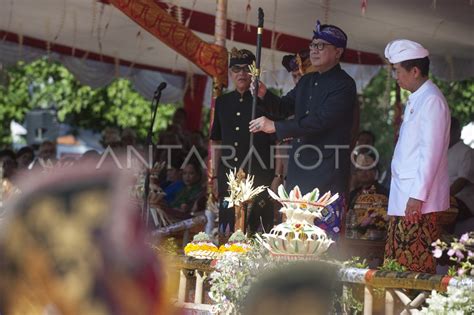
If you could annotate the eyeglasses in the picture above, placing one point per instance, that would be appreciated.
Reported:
(237, 69)
(319, 46)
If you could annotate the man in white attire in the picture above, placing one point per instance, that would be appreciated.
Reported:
(420, 181)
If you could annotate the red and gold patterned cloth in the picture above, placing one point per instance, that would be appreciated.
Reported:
(410, 244)
(211, 58)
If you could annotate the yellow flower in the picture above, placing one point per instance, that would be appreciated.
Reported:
(192, 247)
(234, 248)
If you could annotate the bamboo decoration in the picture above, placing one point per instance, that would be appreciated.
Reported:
(241, 193)
(240, 219)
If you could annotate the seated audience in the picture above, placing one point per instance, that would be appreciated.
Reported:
(365, 138)
(174, 180)
(90, 156)
(129, 137)
(24, 157)
(367, 215)
(8, 163)
(365, 174)
(459, 219)
(47, 151)
(196, 139)
(111, 138)
(192, 196)
(461, 171)
(46, 156)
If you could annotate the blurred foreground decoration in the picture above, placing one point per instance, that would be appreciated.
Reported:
(73, 244)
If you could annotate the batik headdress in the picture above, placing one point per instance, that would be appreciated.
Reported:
(330, 33)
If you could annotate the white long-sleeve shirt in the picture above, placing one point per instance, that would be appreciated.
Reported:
(420, 162)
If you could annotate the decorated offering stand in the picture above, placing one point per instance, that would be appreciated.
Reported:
(392, 288)
(298, 238)
(225, 274)
(366, 228)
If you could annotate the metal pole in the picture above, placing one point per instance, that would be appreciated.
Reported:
(258, 57)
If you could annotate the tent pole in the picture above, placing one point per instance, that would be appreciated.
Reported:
(220, 31)
(220, 35)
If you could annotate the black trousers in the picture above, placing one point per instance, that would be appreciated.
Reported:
(259, 218)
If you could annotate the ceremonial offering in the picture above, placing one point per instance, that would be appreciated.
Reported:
(241, 188)
(201, 247)
(238, 243)
(298, 237)
(241, 191)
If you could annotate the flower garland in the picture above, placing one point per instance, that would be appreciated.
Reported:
(239, 248)
(201, 247)
(194, 247)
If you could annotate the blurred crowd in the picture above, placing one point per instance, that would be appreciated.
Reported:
(177, 186)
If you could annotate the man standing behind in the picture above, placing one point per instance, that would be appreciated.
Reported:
(230, 146)
(420, 183)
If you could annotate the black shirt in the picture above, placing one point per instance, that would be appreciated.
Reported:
(322, 104)
(233, 113)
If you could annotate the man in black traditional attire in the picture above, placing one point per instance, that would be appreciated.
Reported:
(230, 143)
(323, 103)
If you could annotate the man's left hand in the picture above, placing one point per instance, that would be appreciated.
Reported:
(413, 211)
(262, 124)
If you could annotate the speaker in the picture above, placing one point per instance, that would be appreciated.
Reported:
(41, 125)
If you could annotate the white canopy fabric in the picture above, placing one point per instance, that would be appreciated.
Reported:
(445, 27)
(98, 74)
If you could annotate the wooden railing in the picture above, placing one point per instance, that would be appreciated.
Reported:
(394, 288)
(180, 227)
(195, 272)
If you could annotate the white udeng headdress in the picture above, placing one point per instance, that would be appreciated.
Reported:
(403, 49)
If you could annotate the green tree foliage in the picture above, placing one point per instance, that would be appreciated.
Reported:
(377, 113)
(460, 97)
(43, 83)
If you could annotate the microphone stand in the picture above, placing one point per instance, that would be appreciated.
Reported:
(151, 146)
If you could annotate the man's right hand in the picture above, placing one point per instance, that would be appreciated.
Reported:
(413, 211)
(262, 89)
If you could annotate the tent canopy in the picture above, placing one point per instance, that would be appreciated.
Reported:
(96, 30)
